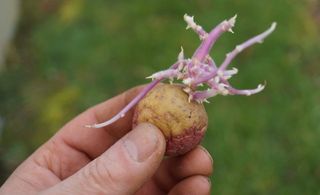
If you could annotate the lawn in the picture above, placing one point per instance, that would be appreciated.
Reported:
(69, 55)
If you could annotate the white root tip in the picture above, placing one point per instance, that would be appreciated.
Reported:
(239, 48)
(206, 101)
(150, 77)
(187, 81)
(269, 31)
(273, 26)
(190, 98)
(227, 25)
(181, 55)
(260, 87)
(232, 21)
(187, 89)
(189, 20)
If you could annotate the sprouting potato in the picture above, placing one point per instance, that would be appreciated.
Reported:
(177, 109)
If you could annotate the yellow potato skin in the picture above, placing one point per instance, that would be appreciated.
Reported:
(167, 107)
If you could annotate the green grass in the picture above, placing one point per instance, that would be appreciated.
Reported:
(69, 56)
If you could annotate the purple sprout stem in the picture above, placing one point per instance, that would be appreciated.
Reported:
(128, 106)
(133, 102)
(203, 95)
(247, 92)
(257, 39)
(206, 45)
(230, 56)
(196, 28)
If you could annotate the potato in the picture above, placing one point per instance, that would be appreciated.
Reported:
(183, 123)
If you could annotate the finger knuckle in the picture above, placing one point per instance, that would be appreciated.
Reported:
(103, 177)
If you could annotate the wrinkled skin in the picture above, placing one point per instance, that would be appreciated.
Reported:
(182, 122)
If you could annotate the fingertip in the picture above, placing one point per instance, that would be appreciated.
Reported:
(152, 127)
(196, 184)
(207, 157)
(197, 161)
(161, 145)
(144, 141)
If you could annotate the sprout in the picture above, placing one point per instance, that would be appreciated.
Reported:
(200, 69)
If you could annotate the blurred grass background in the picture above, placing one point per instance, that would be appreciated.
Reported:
(69, 55)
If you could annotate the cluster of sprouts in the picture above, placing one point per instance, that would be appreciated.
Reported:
(201, 70)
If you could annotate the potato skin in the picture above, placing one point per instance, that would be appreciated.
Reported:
(183, 123)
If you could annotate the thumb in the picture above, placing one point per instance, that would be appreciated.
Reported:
(122, 169)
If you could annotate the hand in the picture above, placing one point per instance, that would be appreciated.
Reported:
(112, 160)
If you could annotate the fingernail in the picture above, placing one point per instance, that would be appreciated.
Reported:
(207, 153)
(141, 142)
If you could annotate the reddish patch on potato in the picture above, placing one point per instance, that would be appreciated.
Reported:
(182, 144)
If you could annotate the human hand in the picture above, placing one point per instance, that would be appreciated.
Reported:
(111, 160)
